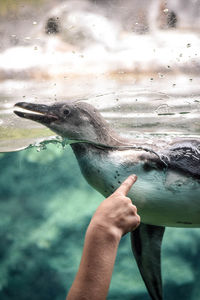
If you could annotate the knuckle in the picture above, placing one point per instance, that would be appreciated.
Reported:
(138, 220)
(134, 208)
(128, 200)
(122, 198)
(131, 207)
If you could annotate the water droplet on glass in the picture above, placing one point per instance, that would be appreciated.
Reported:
(160, 75)
(188, 45)
(162, 109)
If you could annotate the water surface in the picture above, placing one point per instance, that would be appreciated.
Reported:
(163, 106)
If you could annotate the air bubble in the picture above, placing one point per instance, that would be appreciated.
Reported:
(41, 147)
(64, 143)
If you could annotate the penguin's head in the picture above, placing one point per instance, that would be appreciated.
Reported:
(72, 120)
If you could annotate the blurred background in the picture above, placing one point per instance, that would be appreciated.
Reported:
(138, 63)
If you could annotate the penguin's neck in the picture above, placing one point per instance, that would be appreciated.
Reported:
(107, 137)
(90, 152)
(91, 160)
(85, 151)
(92, 155)
(100, 132)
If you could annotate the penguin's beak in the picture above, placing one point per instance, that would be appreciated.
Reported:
(42, 113)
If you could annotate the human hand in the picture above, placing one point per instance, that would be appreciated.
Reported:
(114, 217)
(116, 214)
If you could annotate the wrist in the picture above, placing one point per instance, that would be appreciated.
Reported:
(104, 231)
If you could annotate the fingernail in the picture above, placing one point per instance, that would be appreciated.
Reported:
(134, 176)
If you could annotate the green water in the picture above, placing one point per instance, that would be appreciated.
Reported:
(45, 208)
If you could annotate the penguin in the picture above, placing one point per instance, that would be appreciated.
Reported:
(167, 192)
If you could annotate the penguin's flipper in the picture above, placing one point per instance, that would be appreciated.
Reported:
(146, 243)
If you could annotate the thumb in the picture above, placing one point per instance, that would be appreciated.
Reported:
(126, 185)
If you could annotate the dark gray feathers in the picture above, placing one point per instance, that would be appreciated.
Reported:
(183, 156)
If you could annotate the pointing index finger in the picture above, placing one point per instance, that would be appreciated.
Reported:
(126, 185)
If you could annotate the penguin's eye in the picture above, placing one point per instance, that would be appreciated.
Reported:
(66, 112)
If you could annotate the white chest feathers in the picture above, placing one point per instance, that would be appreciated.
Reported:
(163, 197)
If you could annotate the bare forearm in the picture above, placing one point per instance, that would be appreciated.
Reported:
(93, 278)
(115, 216)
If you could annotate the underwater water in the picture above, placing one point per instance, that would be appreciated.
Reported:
(46, 206)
